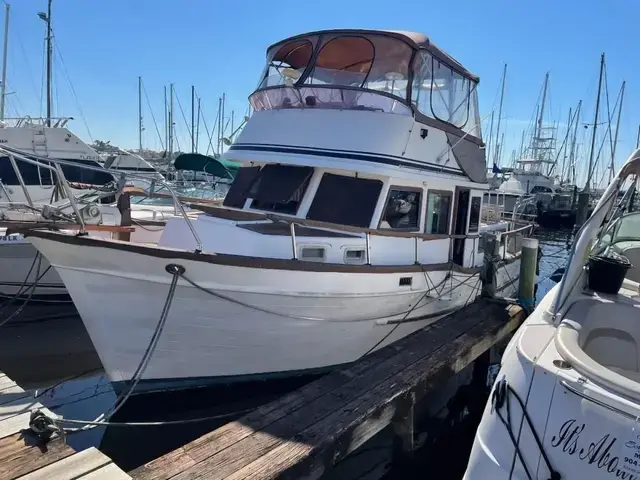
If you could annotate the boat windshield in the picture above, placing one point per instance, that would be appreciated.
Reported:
(367, 71)
(343, 71)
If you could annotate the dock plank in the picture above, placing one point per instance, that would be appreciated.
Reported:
(21, 457)
(72, 467)
(294, 435)
(17, 458)
(276, 416)
(304, 454)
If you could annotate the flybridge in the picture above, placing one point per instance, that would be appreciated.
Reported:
(369, 101)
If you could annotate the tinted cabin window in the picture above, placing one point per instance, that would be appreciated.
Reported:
(279, 188)
(237, 194)
(474, 219)
(345, 200)
(438, 212)
(33, 175)
(402, 210)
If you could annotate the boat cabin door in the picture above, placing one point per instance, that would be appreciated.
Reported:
(460, 215)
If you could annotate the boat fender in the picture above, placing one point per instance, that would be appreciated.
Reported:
(499, 399)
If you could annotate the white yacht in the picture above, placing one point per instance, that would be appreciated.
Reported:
(125, 162)
(566, 402)
(353, 222)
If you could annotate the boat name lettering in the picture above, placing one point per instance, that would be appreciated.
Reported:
(598, 453)
(9, 238)
(88, 157)
(3, 140)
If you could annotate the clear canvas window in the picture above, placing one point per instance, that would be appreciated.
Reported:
(288, 63)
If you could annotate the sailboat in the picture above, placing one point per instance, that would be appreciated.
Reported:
(353, 222)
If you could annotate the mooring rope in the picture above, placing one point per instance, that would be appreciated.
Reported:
(499, 398)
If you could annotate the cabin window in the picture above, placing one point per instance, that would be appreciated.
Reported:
(237, 194)
(288, 64)
(354, 256)
(402, 211)
(541, 189)
(279, 188)
(313, 254)
(34, 175)
(474, 218)
(438, 211)
(345, 200)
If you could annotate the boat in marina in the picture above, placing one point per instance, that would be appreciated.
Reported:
(566, 401)
(353, 222)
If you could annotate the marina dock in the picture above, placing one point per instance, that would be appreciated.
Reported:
(305, 434)
(23, 456)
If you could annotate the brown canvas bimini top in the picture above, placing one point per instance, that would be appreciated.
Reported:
(416, 40)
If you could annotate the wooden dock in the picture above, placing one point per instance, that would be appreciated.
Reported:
(305, 433)
(23, 457)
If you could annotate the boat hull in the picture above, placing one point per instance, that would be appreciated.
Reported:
(253, 322)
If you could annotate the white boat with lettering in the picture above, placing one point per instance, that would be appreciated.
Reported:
(566, 402)
(353, 222)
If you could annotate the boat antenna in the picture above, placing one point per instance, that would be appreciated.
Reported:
(3, 93)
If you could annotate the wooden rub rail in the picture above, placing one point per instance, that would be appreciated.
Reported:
(306, 432)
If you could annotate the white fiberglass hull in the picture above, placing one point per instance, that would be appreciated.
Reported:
(260, 320)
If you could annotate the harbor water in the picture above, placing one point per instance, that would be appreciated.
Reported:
(47, 348)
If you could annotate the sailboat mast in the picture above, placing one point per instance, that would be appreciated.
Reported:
(171, 121)
(198, 127)
(166, 122)
(587, 186)
(3, 93)
(49, 62)
(140, 115)
(572, 155)
(638, 138)
(496, 155)
(615, 139)
(541, 116)
(564, 157)
(193, 119)
(490, 136)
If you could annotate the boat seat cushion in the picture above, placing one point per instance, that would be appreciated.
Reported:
(600, 338)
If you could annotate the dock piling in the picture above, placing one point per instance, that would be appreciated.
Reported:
(491, 253)
(528, 266)
(583, 208)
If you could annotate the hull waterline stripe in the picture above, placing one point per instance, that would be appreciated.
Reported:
(362, 156)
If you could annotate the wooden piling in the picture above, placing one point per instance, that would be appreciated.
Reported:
(489, 270)
(583, 208)
(528, 266)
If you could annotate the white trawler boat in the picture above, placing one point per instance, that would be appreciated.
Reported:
(353, 222)
(566, 403)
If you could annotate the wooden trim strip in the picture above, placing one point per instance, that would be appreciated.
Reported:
(241, 260)
(244, 215)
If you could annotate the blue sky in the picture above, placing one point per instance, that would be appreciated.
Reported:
(219, 46)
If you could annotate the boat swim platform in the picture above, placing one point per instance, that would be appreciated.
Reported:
(23, 456)
(308, 431)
